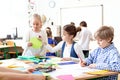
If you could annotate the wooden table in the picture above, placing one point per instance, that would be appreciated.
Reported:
(5, 48)
(83, 76)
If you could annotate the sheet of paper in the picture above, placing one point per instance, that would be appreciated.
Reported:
(36, 43)
(13, 63)
(66, 77)
(74, 70)
(97, 72)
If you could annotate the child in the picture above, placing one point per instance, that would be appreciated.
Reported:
(51, 41)
(35, 33)
(106, 56)
(70, 49)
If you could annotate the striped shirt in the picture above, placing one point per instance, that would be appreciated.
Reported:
(105, 59)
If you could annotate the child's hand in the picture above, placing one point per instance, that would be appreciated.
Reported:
(29, 44)
(92, 66)
(30, 70)
(82, 63)
(39, 37)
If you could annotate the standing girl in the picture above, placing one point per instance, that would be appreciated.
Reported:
(34, 46)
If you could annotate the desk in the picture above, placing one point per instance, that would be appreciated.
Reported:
(74, 69)
(9, 48)
(79, 73)
(88, 76)
(5, 46)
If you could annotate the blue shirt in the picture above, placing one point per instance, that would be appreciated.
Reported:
(52, 41)
(105, 59)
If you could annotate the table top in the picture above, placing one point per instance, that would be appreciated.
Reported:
(5, 46)
(68, 68)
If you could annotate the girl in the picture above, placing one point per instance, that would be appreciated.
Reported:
(34, 46)
(69, 49)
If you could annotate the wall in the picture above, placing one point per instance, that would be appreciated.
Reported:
(110, 16)
(13, 14)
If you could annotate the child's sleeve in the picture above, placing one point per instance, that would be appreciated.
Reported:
(25, 40)
(89, 60)
(78, 50)
(113, 64)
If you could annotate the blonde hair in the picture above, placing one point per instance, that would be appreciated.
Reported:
(105, 33)
(37, 16)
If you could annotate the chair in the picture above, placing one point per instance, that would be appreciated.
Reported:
(12, 49)
(1, 51)
(58, 39)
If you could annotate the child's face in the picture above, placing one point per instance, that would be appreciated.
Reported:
(66, 37)
(37, 24)
(103, 43)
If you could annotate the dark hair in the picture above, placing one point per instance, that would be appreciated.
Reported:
(48, 28)
(78, 29)
(72, 23)
(49, 33)
(70, 29)
(83, 23)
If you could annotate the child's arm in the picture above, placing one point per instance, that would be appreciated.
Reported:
(3, 69)
(79, 52)
(55, 48)
(18, 76)
(82, 63)
(10, 74)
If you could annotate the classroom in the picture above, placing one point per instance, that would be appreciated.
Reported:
(55, 14)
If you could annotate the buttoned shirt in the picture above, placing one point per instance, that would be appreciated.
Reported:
(105, 59)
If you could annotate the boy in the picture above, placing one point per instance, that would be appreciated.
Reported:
(106, 56)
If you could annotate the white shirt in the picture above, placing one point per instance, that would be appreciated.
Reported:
(30, 51)
(84, 37)
(67, 49)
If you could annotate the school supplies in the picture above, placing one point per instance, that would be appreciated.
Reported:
(98, 72)
(65, 77)
(67, 63)
(45, 67)
(36, 43)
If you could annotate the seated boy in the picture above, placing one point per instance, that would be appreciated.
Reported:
(106, 56)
